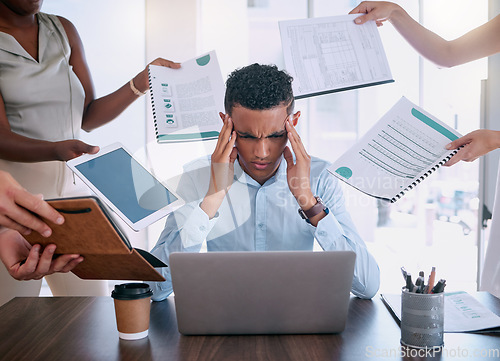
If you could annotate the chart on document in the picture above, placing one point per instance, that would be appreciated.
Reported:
(403, 148)
(186, 102)
(332, 54)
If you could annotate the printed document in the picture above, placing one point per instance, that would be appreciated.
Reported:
(402, 149)
(186, 102)
(332, 54)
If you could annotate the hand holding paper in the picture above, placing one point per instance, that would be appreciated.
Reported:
(402, 149)
(332, 54)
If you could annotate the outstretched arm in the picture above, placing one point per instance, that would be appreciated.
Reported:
(100, 111)
(97, 112)
(18, 148)
(476, 144)
(478, 43)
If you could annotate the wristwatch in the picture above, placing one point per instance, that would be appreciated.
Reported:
(314, 210)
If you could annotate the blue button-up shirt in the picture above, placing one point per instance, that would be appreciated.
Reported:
(256, 217)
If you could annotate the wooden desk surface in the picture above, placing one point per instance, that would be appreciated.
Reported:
(84, 328)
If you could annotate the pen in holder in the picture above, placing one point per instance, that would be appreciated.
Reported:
(422, 319)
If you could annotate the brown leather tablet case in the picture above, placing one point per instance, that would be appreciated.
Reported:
(89, 231)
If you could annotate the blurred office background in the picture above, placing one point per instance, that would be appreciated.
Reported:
(440, 223)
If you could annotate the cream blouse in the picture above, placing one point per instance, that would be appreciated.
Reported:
(44, 100)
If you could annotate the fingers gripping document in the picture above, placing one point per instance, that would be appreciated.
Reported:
(402, 149)
(331, 54)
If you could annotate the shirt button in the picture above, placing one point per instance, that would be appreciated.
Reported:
(262, 225)
(322, 233)
(202, 228)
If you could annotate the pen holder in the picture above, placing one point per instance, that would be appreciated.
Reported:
(422, 319)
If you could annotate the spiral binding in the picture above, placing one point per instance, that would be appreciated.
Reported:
(152, 101)
(425, 175)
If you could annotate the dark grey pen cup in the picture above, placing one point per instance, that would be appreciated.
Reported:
(422, 319)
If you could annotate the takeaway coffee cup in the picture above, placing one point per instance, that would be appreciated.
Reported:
(132, 307)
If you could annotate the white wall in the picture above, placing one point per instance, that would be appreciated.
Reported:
(114, 60)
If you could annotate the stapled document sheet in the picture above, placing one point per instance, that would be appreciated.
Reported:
(331, 54)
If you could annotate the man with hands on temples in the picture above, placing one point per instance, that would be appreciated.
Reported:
(254, 194)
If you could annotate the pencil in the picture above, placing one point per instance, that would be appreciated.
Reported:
(432, 278)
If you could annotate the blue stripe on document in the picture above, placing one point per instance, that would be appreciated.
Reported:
(431, 123)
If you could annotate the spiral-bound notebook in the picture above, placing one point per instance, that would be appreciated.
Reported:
(186, 102)
(402, 149)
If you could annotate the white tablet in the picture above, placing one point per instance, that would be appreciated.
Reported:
(125, 186)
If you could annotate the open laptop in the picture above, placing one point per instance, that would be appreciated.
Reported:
(278, 292)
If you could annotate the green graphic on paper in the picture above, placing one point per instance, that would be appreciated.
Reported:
(344, 172)
(204, 60)
(431, 123)
(168, 103)
(170, 119)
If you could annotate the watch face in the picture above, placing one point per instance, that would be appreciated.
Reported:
(302, 213)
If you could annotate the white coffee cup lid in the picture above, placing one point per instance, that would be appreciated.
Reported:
(133, 336)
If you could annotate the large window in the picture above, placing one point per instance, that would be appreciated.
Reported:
(435, 224)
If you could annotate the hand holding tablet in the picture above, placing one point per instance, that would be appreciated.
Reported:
(125, 186)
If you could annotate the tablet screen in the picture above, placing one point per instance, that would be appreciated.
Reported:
(128, 185)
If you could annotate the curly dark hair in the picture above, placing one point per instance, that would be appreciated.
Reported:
(259, 87)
